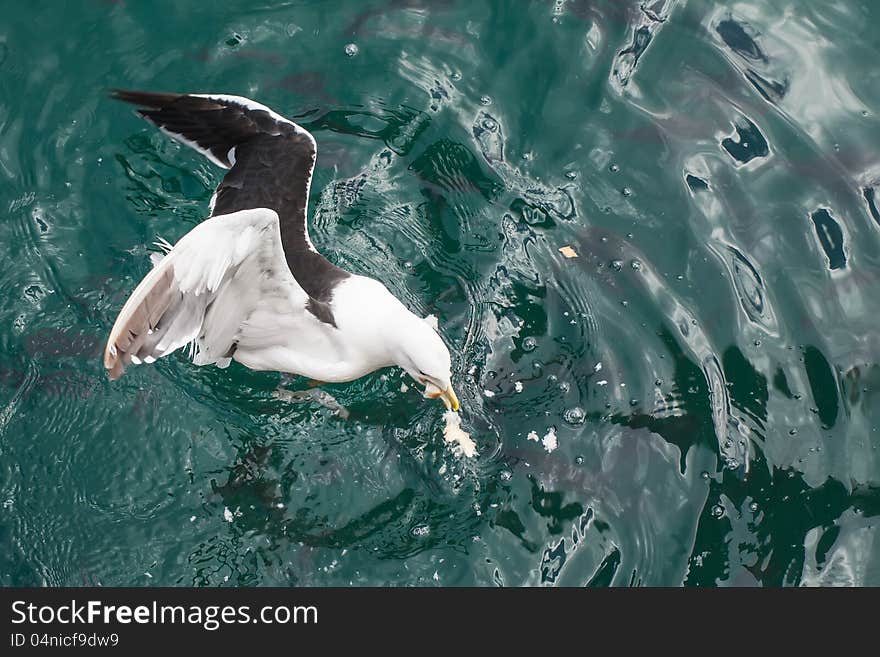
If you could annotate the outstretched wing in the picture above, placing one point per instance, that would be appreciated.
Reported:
(204, 290)
(270, 161)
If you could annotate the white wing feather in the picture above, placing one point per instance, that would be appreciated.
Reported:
(204, 291)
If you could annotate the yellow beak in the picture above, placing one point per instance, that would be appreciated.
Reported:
(449, 399)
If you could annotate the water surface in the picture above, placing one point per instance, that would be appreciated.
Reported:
(708, 362)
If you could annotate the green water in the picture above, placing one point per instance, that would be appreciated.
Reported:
(709, 361)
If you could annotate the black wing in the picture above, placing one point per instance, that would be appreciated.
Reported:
(270, 161)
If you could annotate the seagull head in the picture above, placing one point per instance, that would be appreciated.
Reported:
(423, 355)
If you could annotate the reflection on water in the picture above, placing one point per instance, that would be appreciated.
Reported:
(707, 364)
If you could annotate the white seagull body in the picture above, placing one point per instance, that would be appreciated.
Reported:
(247, 283)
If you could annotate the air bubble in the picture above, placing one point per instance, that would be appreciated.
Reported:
(614, 168)
(626, 191)
(717, 511)
(617, 265)
(636, 265)
(575, 415)
(485, 100)
(351, 50)
(753, 507)
(571, 175)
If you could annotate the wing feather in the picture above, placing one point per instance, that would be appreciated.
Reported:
(203, 291)
(270, 161)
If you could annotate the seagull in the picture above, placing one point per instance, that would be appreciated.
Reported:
(247, 284)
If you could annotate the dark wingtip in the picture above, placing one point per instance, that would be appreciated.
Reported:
(113, 363)
(115, 372)
(144, 98)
